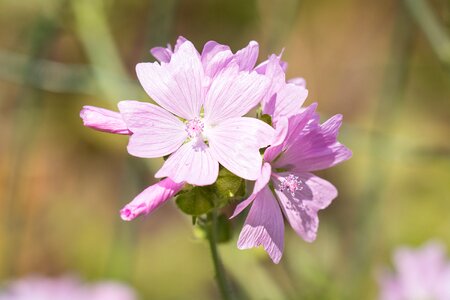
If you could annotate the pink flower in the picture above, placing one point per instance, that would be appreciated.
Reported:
(65, 288)
(199, 121)
(302, 145)
(421, 274)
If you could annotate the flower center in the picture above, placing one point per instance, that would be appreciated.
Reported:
(194, 127)
(291, 183)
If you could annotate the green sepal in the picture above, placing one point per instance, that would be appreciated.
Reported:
(228, 187)
(266, 119)
(195, 201)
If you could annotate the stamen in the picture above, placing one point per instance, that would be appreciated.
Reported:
(291, 183)
(194, 127)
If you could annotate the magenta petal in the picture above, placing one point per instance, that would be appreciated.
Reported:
(301, 209)
(315, 149)
(260, 183)
(264, 226)
(162, 54)
(233, 94)
(235, 144)
(178, 85)
(150, 199)
(247, 57)
(156, 132)
(277, 145)
(103, 120)
(191, 163)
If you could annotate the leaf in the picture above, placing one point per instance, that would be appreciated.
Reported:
(195, 202)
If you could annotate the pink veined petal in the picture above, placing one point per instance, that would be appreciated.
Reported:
(103, 120)
(300, 81)
(180, 41)
(260, 183)
(277, 145)
(315, 149)
(161, 54)
(289, 100)
(262, 67)
(301, 210)
(275, 73)
(246, 57)
(156, 132)
(215, 57)
(191, 163)
(235, 144)
(264, 226)
(233, 94)
(150, 199)
(178, 85)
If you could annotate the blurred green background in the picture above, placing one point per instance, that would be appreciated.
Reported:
(385, 65)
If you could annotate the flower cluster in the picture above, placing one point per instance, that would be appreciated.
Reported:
(65, 288)
(199, 123)
(422, 273)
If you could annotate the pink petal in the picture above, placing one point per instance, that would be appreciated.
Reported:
(192, 163)
(161, 54)
(103, 120)
(301, 209)
(178, 85)
(150, 199)
(260, 183)
(264, 226)
(316, 148)
(246, 57)
(277, 145)
(300, 81)
(215, 57)
(289, 100)
(235, 144)
(233, 94)
(156, 132)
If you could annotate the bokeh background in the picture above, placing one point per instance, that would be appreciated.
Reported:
(385, 65)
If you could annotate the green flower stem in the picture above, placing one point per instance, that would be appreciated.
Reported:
(220, 276)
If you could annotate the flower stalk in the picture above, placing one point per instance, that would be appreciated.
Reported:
(220, 275)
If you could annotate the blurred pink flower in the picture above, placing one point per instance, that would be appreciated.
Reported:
(423, 273)
(302, 145)
(65, 288)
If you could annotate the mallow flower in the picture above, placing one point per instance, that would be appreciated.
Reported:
(422, 273)
(65, 288)
(286, 184)
(198, 120)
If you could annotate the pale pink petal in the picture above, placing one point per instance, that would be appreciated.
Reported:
(275, 73)
(178, 85)
(300, 81)
(264, 226)
(235, 144)
(276, 147)
(161, 54)
(215, 57)
(288, 101)
(191, 163)
(390, 288)
(150, 199)
(156, 132)
(233, 94)
(180, 41)
(262, 67)
(301, 208)
(314, 149)
(260, 183)
(246, 57)
(103, 120)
